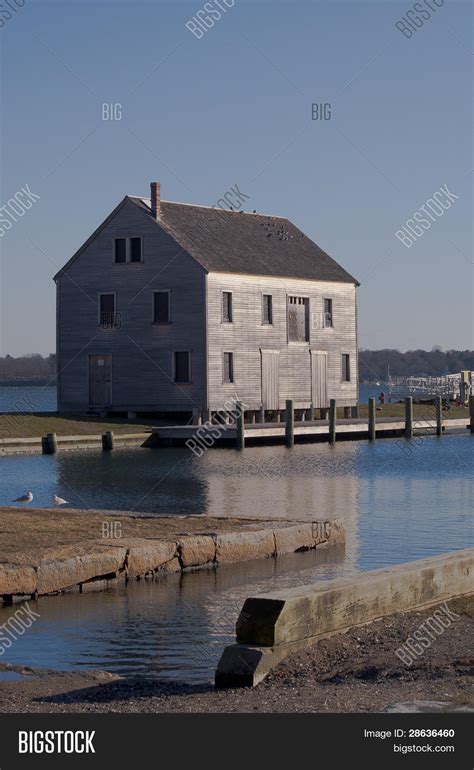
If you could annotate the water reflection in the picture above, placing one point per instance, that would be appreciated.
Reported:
(175, 628)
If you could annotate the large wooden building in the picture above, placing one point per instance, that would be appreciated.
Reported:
(170, 307)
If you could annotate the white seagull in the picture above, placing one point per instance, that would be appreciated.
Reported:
(24, 498)
(59, 500)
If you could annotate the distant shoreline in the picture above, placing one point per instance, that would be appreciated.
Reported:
(29, 382)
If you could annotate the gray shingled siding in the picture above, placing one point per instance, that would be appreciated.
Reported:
(141, 380)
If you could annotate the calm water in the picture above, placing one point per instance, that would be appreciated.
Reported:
(397, 506)
(25, 399)
(43, 399)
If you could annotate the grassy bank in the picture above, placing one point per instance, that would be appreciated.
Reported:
(420, 411)
(33, 425)
(39, 424)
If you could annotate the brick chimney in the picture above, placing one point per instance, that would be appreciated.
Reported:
(155, 195)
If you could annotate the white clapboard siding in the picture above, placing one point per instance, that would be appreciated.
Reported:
(247, 336)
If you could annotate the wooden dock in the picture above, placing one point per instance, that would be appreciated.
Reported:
(206, 435)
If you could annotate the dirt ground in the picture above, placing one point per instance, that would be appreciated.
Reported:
(353, 672)
(26, 534)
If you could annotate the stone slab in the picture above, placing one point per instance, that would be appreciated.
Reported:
(242, 546)
(273, 625)
(17, 579)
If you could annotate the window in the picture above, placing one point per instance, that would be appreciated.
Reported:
(298, 319)
(107, 311)
(228, 367)
(267, 309)
(127, 250)
(327, 321)
(182, 366)
(346, 368)
(120, 249)
(227, 307)
(161, 307)
(135, 249)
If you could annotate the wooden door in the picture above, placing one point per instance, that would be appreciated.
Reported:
(270, 379)
(100, 380)
(319, 379)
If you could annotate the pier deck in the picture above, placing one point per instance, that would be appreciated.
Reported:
(319, 429)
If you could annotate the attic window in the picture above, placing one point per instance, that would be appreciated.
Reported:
(128, 250)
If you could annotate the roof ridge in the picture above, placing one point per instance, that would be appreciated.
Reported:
(211, 208)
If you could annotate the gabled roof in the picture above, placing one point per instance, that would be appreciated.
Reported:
(241, 242)
(225, 241)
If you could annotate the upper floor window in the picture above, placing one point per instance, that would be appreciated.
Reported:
(298, 319)
(346, 368)
(227, 306)
(228, 367)
(327, 318)
(267, 309)
(182, 366)
(107, 312)
(128, 250)
(161, 307)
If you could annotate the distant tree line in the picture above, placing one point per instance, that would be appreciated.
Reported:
(374, 364)
(29, 367)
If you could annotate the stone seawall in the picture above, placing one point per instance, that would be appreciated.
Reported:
(45, 551)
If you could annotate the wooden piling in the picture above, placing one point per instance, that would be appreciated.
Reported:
(261, 418)
(240, 426)
(108, 441)
(289, 424)
(439, 415)
(372, 430)
(409, 417)
(332, 421)
(471, 413)
(50, 444)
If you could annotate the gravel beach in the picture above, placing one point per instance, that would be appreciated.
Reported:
(353, 672)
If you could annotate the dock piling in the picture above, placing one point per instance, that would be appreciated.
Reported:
(332, 421)
(439, 415)
(240, 426)
(409, 417)
(50, 444)
(372, 430)
(289, 424)
(108, 441)
(471, 413)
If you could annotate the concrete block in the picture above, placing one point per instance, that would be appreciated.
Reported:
(148, 555)
(287, 616)
(197, 550)
(241, 546)
(63, 572)
(284, 621)
(17, 579)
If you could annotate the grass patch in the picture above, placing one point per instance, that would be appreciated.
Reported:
(35, 425)
(420, 411)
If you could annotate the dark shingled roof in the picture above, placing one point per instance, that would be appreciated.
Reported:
(240, 242)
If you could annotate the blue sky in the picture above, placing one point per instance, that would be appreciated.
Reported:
(234, 107)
